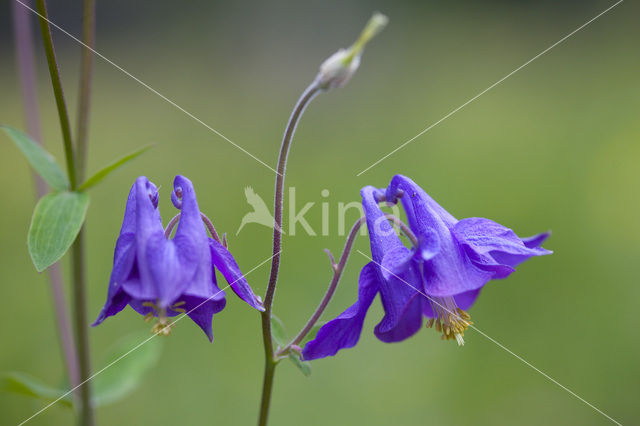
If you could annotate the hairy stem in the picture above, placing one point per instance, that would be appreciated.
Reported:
(302, 103)
(306, 97)
(54, 72)
(337, 273)
(86, 73)
(28, 87)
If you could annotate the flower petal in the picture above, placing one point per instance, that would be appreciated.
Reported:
(412, 191)
(396, 262)
(395, 268)
(344, 331)
(117, 300)
(147, 224)
(123, 262)
(491, 244)
(428, 244)
(172, 266)
(201, 311)
(190, 220)
(536, 240)
(402, 300)
(124, 257)
(226, 264)
(449, 271)
(382, 235)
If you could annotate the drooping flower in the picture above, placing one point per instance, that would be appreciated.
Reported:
(162, 277)
(440, 278)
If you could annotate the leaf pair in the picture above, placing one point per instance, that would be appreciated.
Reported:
(130, 360)
(58, 216)
(280, 338)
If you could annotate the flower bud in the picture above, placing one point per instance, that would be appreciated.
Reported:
(338, 69)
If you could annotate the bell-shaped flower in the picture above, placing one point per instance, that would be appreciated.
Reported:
(440, 278)
(162, 277)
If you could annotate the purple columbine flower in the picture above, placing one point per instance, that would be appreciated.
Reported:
(440, 278)
(162, 277)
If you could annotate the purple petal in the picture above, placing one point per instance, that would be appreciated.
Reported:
(463, 301)
(123, 263)
(414, 192)
(402, 315)
(344, 331)
(489, 240)
(429, 244)
(116, 301)
(452, 272)
(402, 300)
(382, 235)
(449, 271)
(396, 262)
(124, 258)
(226, 264)
(536, 240)
(190, 220)
(147, 224)
(201, 311)
(172, 265)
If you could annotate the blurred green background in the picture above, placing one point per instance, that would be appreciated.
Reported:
(555, 146)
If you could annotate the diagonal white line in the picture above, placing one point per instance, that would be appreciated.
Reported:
(490, 87)
(527, 363)
(145, 341)
(145, 85)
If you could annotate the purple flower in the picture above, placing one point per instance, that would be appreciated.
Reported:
(161, 277)
(440, 278)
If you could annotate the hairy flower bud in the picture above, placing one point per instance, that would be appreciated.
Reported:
(338, 69)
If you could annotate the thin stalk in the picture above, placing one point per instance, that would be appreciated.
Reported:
(267, 387)
(86, 73)
(270, 365)
(404, 228)
(86, 417)
(207, 222)
(82, 329)
(337, 273)
(306, 97)
(54, 72)
(28, 85)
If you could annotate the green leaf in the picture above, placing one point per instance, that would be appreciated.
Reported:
(277, 331)
(42, 162)
(131, 358)
(55, 224)
(303, 366)
(24, 384)
(100, 175)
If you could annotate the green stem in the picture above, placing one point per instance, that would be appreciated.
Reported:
(267, 386)
(86, 73)
(82, 330)
(54, 72)
(267, 339)
(85, 411)
(337, 273)
(25, 56)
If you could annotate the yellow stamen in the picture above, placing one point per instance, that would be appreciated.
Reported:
(449, 320)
